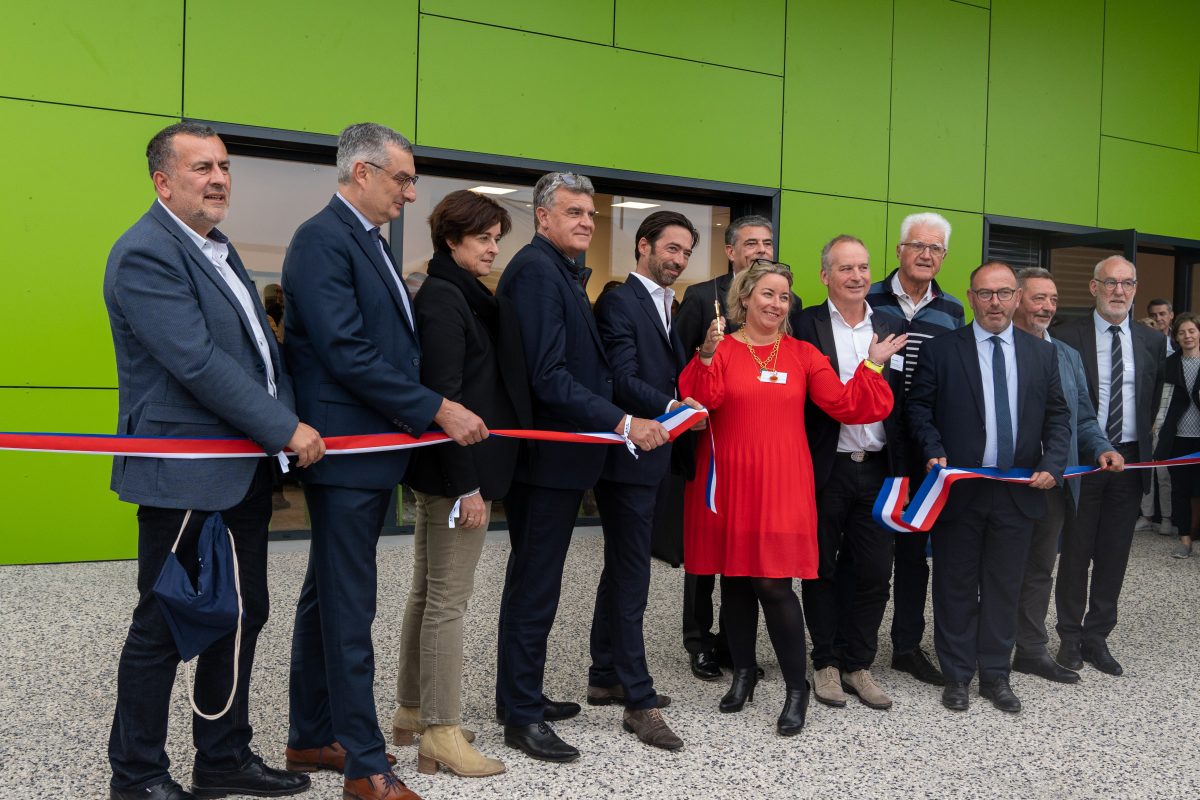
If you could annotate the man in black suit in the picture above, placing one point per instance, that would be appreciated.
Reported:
(353, 350)
(987, 395)
(1125, 366)
(850, 463)
(571, 388)
(646, 358)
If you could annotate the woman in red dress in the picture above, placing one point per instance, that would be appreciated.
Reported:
(754, 384)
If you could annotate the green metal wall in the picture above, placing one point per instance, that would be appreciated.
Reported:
(1077, 111)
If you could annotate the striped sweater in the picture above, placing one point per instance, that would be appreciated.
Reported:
(943, 313)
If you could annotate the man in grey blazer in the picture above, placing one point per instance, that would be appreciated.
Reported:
(195, 358)
(1089, 445)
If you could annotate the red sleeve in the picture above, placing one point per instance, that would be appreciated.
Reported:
(866, 397)
(705, 385)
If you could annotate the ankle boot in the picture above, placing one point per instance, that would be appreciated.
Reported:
(740, 690)
(407, 725)
(795, 707)
(444, 745)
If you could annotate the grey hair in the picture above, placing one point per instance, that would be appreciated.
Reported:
(551, 182)
(1027, 273)
(160, 152)
(844, 238)
(1100, 265)
(366, 141)
(755, 220)
(927, 219)
(744, 283)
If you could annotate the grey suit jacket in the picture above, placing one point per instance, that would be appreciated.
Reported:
(187, 366)
(1087, 440)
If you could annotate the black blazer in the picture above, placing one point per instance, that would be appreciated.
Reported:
(472, 355)
(815, 326)
(946, 416)
(570, 381)
(1181, 397)
(355, 358)
(646, 363)
(1149, 364)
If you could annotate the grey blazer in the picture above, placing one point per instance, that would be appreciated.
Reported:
(187, 366)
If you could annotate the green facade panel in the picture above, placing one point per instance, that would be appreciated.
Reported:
(1152, 71)
(939, 104)
(590, 105)
(1150, 188)
(1043, 143)
(300, 66)
(837, 98)
(808, 221)
(56, 242)
(585, 20)
(712, 31)
(123, 54)
(965, 252)
(58, 507)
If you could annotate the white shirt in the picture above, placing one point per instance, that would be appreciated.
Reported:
(662, 296)
(984, 347)
(852, 344)
(1104, 377)
(215, 248)
(907, 305)
(387, 259)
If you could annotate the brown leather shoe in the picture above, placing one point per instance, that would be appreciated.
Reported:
(385, 786)
(312, 759)
(651, 728)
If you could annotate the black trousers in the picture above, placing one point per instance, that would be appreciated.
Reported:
(149, 659)
(1038, 581)
(617, 645)
(1185, 485)
(979, 549)
(910, 587)
(332, 689)
(540, 522)
(1099, 536)
(844, 522)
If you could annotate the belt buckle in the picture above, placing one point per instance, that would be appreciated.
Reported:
(858, 456)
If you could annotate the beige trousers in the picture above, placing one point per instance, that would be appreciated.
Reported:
(431, 643)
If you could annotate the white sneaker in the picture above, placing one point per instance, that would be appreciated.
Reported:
(1165, 528)
(1143, 525)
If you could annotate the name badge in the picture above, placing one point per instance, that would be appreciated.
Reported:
(897, 362)
(768, 376)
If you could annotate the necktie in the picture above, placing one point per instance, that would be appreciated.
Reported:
(377, 237)
(1116, 383)
(1004, 433)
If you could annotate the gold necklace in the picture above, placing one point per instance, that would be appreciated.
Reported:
(763, 365)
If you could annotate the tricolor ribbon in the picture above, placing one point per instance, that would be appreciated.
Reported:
(922, 512)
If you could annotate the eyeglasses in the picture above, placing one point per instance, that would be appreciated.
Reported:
(1111, 285)
(935, 250)
(768, 262)
(986, 295)
(403, 181)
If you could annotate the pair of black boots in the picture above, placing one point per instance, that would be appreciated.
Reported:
(795, 705)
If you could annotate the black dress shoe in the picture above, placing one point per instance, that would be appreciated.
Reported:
(539, 741)
(551, 711)
(917, 664)
(253, 778)
(955, 697)
(795, 707)
(1068, 655)
(740, 690)
(1001, 695)
(1044, 667)
(1098, 656)
(167, 790)
(705, 666)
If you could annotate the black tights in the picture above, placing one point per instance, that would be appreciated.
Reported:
(785, 624)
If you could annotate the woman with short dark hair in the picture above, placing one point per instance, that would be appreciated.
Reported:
(1180, 431)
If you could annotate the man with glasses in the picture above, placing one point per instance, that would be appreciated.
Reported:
(1157, 503)
(910, 294)
(986, 395)
(1125, 367)
(571, 386)
(353, 349)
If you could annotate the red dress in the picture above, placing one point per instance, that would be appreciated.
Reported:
(766, 520)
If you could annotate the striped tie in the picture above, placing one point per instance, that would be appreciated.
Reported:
(1116, 382)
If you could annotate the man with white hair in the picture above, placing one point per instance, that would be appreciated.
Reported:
(911, 295)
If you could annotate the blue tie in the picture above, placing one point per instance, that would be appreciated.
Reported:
(1004, 438)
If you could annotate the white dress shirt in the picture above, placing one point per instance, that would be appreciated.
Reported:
(909, 306)
(1104, 377)
(387, 259)
(852, 344)
(662, 296)
(984, 347)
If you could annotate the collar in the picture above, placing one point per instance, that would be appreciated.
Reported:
(898, 290)
(653, 288)
(1102, 325)
(835, 314)
(366, 223)
(214, 236)
(981, 335)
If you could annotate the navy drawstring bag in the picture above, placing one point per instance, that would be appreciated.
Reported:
(200, 613)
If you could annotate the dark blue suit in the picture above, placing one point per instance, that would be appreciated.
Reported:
(357, 366)
(646, 363)
(982, 536)
(571, 387)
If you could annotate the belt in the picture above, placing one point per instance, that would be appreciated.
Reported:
(859, 456)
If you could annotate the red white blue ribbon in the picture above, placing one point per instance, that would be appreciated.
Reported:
(922, 512)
